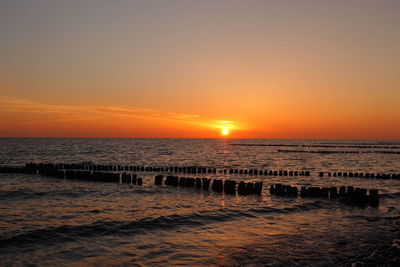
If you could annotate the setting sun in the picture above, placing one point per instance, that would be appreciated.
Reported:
(225, 132)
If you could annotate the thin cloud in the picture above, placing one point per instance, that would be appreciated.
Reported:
(79, 113)
(187, 116)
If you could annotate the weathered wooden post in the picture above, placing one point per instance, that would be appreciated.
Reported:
(158, 179)
(258, 188)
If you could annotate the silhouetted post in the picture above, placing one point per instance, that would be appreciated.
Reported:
(288, 190)
(295, 191)
(230, 187)
(250, 188)
(206, 183)
(279, 189)
(325, 192)
(158, 179)
(258, 188)
(272, 189)
(360, 195)
(342, 192)
(189, 182)
(182, 181)
(315, 191)
(217, 185)
(373, 197)
(303, 191)
(333, 192)
(242, 188)
(198, 182)
(350, 192)
(126, 178)
(175, 181)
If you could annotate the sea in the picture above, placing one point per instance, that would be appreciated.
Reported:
(46, 221)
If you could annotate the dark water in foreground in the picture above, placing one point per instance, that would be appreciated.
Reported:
(47, 221)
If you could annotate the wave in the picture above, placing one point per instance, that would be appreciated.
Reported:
(68, 233)
(390, 195)
(8, 195)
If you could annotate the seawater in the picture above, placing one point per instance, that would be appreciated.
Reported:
(58, 222)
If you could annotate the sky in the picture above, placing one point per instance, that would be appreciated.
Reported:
(190, 69)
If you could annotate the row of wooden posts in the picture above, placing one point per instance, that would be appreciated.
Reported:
(361, 175)
(34, 167)
(170, 169)
(107, 177)
(202, 170)
(349, 194)
(339, 151)
(227, 186)
(323, 145)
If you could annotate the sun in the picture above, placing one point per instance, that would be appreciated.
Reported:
(225, 132)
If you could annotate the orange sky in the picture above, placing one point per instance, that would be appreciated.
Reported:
(263, 69)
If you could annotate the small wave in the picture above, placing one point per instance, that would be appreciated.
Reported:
(307, 206)
(372, 218)
(390, 195)
(297, 208)
(69, 233)
(6, 195)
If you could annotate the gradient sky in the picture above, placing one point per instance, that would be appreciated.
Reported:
(264, 69)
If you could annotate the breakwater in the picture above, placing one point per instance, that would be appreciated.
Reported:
(338, 145)
(340, 151)
(129, 175)
(349, 194)
(35, 167)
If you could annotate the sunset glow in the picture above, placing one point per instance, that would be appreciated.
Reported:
(184, 69)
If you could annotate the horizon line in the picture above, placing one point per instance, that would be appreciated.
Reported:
(217, 138)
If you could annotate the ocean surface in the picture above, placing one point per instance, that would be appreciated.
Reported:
(59, 222)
